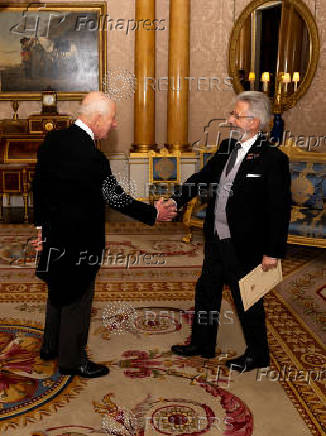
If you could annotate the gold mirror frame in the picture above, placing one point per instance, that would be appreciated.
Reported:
(306, 14)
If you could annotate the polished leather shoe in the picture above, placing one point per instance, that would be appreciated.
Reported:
(192, 350)
(246, 363)
(46, 354)
(87, 369)
(208, 354)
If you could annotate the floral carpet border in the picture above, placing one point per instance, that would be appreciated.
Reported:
(292, 343)
(34, 410)
(294, 347)
(126, 291)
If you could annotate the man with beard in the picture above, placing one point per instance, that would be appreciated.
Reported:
(246, 224)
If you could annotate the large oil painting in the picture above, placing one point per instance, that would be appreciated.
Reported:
(61, 47)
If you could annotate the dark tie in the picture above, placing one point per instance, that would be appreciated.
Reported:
(232, 158)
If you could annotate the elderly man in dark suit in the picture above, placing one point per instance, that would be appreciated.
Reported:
(246, 224)
(73, 180)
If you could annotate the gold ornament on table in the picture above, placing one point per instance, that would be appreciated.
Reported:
(15, 106)
(48, 126)
(49, 103)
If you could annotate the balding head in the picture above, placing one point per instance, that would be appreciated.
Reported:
(96, 102)
(97, 111)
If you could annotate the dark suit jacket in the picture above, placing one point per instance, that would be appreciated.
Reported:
(70, 206)
(258, 208)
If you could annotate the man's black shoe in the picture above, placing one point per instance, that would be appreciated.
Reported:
(87, 369)
(46, 354)
(192, 350)
(186, 350)
(247, 363)
(208, 354)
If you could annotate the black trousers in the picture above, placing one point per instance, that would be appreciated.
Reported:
(66, 329)
(222, 266)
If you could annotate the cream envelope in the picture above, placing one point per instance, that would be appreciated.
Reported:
(257, 283)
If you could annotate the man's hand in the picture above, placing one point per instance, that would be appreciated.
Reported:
(166, 209)
(38, 243)
(268, 263)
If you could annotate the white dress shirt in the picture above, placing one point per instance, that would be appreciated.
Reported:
(84, 127)
(245, 146)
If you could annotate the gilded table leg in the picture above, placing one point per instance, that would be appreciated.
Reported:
(1, 208)
(25, 208)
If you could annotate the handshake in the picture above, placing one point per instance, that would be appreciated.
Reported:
(166, 210)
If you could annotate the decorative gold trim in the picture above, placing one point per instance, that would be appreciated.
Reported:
(98, 6)
(303, 240)
(137, 155)
(163, 153)
(296, 153)
(178, 147)
(143, 148)
(306, 14)
(47, 119)
(25, 160)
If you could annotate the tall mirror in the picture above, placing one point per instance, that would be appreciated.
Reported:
(274, 47)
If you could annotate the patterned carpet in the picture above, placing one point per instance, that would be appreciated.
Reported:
(138, 313)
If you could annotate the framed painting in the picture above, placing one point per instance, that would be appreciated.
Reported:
(59, 46)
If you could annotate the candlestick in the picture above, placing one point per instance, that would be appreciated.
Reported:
(286, 79)
(296, 78)
(265, 80)
(252, 78)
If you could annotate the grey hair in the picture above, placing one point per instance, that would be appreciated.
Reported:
(259, 106)
(101, 106)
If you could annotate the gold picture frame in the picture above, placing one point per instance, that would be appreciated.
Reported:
(52, 46)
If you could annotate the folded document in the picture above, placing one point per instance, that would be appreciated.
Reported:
(257, 283)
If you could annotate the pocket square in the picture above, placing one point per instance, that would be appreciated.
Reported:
(253, 175)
